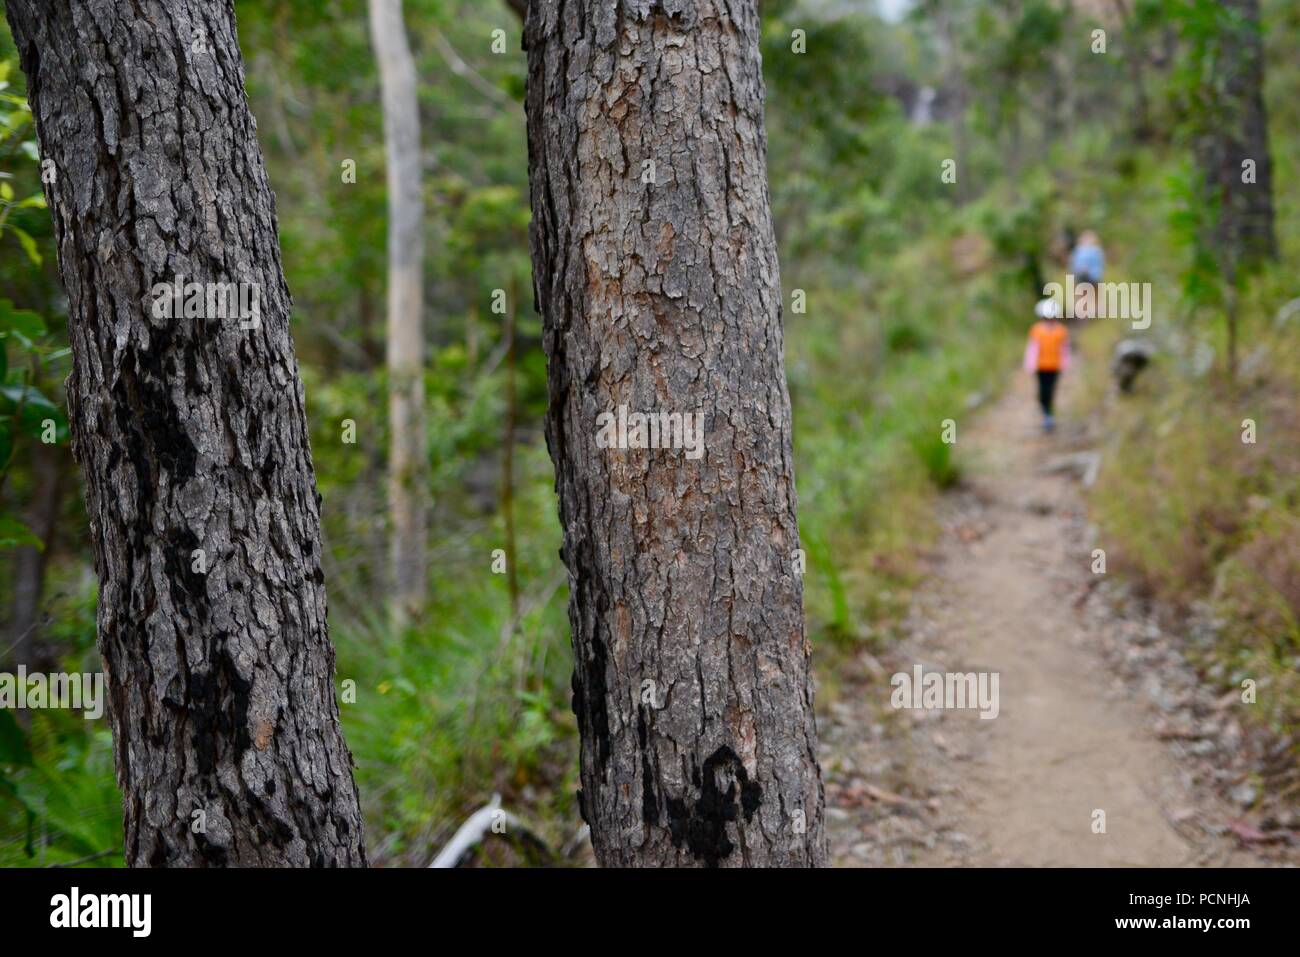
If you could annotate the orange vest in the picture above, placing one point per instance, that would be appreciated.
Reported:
(1051, 339)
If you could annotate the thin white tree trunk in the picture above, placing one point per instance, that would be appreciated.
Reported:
(407, 460)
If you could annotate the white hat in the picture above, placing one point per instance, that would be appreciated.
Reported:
(1048, 309)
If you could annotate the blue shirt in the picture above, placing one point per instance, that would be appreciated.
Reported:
(1088, 261)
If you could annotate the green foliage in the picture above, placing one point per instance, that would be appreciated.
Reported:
(64, 795)
(936, 455)
(1194, 515)
(919, 292)
(24, 343)
(59, 801)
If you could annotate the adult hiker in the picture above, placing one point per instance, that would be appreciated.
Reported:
(1087, 263)
(1047, 354)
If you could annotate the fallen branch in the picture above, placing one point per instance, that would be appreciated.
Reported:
(489, 818)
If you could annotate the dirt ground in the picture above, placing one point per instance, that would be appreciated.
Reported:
(1012, 591)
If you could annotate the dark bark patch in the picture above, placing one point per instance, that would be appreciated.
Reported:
(590, 704)
(161, 855)
(649, 800)
(218, 706)
(147, 415)
(702, 827)
(214, 855)
(188, 588)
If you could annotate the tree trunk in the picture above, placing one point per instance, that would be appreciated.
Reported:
(691, 681)
(1244, 77)
(408, 456)
(1134, 54)
(1236, 131)
(957, 87)
(203, 509)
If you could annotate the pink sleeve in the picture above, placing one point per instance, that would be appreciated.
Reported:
(1031, 355)
(1065, 355)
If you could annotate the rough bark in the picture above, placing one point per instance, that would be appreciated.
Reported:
(407, 455)
(193, 438)
(691, 681)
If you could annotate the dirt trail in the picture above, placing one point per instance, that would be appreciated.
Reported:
(911, 787)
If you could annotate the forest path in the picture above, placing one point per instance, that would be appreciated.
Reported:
(1071, 737)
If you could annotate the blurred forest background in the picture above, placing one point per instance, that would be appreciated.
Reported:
(907, 299)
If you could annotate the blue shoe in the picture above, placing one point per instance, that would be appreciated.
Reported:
(1049, 424)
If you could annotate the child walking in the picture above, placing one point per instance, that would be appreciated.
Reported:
(1047, 354)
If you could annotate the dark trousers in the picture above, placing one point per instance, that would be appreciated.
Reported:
(1046, 389)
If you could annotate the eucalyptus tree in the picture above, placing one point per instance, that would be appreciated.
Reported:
(187, 417)
(655, 271)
